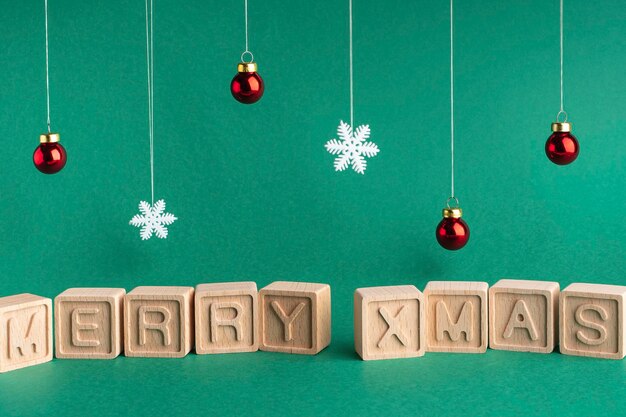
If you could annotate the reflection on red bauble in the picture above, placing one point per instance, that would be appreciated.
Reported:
(562, 147)
(452, 232)
(50, 156)
(247, 86)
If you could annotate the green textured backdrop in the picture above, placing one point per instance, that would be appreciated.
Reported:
(257, 197)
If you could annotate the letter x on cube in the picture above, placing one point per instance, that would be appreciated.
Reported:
(389, 322)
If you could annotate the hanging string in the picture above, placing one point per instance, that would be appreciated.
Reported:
(245, 12)
(247, 50)
(351, 69)
(150, 65)
(452, 99)
(562, 110)
(47, 75)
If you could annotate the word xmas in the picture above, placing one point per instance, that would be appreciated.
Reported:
(528, 316)
(98, 323)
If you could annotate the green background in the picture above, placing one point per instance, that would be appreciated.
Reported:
(258, 199)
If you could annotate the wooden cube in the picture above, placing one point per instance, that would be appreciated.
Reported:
(523, 315)
(88, 323)
(226, 318)
(158, 322)
(456, 316)
(25, 331)
(593, 321)
(389, 322)
(294, 317)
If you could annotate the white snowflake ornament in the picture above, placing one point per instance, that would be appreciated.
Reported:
(152, 219)
(352, 147)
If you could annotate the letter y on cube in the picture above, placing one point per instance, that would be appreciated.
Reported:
(294, 317)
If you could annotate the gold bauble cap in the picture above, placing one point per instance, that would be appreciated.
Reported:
(246, 67)
(49, 138)
(455, 212)
(561, 127)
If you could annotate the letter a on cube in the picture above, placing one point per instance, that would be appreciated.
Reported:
(592, 321)
(25, 331)
(294, 317)
(158, 322)
(226, 318)
(88, 323)
(389, 322)
(456, 316)
(523, 315)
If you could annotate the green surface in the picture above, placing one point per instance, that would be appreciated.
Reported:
(257, 197)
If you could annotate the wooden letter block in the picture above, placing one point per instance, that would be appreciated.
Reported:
(593, 320)
(88, 323)
(523, 315)
(456, 316)
(158, 322)
(226, 318)
(25, 331)
(389, 322)
(294, 317)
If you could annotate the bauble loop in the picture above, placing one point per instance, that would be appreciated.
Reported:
(246, 53)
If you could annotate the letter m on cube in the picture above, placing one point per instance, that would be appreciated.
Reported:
(25, 331)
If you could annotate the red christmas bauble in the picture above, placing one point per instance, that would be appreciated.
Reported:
(247, 86)
(50, 156)
(452, 232)
(562, 147)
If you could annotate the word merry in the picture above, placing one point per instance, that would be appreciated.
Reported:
(527, 316)
(159, 322)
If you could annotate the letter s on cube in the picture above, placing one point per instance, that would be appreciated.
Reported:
(592, 321)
